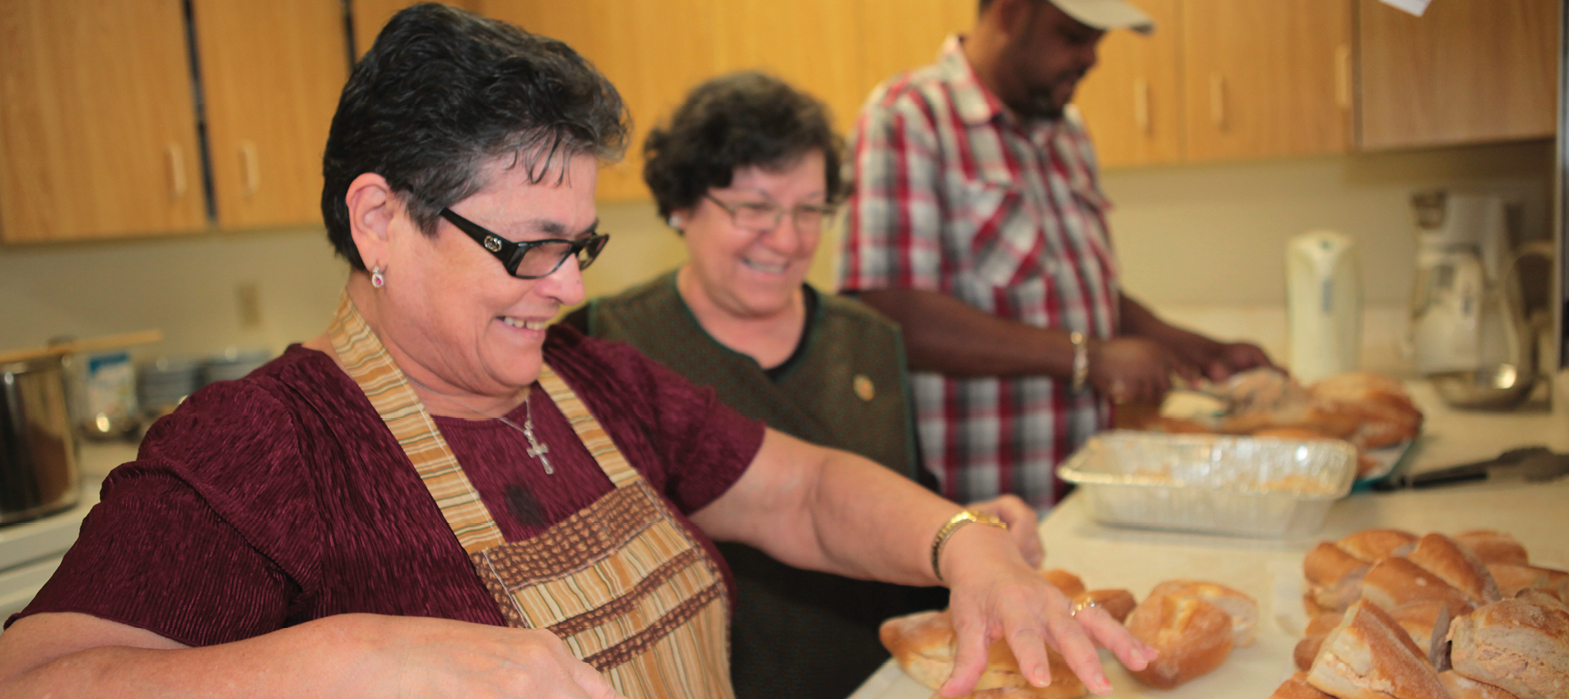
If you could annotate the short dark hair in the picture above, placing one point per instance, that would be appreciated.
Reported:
(746, 119)
(444, 91)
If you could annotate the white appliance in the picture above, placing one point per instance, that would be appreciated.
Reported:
(1323, 304)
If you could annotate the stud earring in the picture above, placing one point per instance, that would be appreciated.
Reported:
(674, 221)
(376, 278)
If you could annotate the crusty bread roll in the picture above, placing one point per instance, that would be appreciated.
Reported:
(1241, 607)
(1427, 623)
(1334, 576)
(1494, 547)
(1512, 579)
(1313, 637)
(1193, 637)
(1462, 687)
(1515, 644)
(1396, 582)
(1374, 545)
(923, 644)
(1383, 411)
(1456, 565)
(1068, 583)
(1368, 656)
(1297, 687)
(1117, 603)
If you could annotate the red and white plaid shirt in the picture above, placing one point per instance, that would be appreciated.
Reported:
(953, 193)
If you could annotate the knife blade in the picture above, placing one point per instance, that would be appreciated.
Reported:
(1532, 464)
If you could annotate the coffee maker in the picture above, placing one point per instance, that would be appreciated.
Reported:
(1468, 333)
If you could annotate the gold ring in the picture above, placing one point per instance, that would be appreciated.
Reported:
(1081, 606)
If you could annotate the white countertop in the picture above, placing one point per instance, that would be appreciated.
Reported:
(1271, 570)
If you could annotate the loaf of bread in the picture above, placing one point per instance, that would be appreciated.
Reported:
(1297, 687)
(1427, 623)
(1242, 609)
(1396, 582)
(1512, 578)
(1192, 636)
(1383, 411)
(1313, 638)
(1519, 645)
(1462, 687)
(1334, 578)
(1456, 565)
(1068, 583)
(1374, 545)
(1494, 547)
(923, 644)
(1368, 656)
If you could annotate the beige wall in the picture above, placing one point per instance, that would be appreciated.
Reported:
(1195, 241)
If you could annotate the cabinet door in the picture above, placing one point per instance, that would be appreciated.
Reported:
(1266, 78)
(97, 122)
(1131, 100)
(271, 73)
(1465, 71)
(889, 47)
(812, 44)
(369, 16)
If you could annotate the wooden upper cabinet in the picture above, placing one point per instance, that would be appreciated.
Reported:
(653, 52)
(812, 44)
(370, 16)
(97, 121)
(1465, 71)
(1266, 78)
(271, 73)
(1132, 100)
(913, 41)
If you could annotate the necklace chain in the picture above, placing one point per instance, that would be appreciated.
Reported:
(536, 448)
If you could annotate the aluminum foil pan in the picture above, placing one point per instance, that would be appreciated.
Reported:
(1242, 486)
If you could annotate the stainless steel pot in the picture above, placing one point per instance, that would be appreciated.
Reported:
(38, 453)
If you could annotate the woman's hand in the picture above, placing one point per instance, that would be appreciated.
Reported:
(348, 655)
(422, 657)
(995, 596)
(1022, 525)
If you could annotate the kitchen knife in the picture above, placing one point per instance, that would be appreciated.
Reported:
(1532, 464)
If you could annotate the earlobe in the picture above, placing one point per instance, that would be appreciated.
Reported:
(372, 207)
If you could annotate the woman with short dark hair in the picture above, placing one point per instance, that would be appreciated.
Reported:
(440, 496)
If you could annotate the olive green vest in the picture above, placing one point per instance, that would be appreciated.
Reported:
(846, 390)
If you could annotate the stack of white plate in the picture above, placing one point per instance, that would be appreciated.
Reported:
(166, 381)
(233, 364)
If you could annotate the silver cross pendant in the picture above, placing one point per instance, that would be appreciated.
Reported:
(535, 448)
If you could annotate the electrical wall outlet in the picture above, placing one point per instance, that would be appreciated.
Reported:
(247, 297)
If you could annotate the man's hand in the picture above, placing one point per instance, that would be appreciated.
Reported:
(1134, 370)
(1233, 357)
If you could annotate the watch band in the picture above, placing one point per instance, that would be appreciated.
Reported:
(1081, 360)
(954, 524)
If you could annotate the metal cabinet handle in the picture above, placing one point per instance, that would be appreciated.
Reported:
(1343, 76)
(177, 183)
(250, 169)
(1141, 104)
(1217, 100)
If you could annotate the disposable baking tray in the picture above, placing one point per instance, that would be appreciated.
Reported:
(1260, 487)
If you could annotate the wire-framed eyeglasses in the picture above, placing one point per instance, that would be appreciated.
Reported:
(764, 216)
(531, 259)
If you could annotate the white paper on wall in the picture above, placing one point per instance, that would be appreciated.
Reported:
(1415, 7)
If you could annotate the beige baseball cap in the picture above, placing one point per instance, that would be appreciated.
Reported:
(1107, 14)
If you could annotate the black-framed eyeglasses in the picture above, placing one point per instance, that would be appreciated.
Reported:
(764, 216)
(531, 259)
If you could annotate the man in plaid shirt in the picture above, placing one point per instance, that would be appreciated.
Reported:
(977, 222)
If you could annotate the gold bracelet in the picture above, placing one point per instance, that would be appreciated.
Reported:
(954, 524)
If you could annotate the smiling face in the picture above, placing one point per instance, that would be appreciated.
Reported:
(1047, 57)
(745, 273)
(452, 316)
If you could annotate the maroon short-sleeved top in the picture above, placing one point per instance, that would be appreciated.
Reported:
(282, 497)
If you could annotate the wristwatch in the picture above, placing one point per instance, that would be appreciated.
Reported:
(954, 524)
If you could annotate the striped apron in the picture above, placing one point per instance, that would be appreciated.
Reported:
(620, 581)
